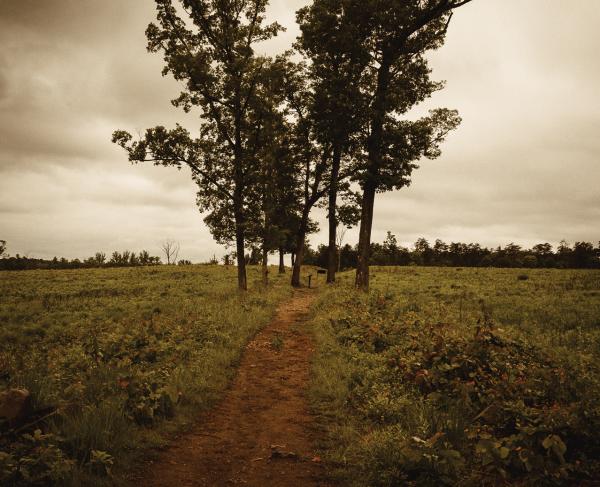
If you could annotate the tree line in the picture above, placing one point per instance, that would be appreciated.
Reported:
(322, 124)
(99, 259)
(581, 255)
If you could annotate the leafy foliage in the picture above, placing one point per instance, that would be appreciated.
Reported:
(208, 46)
(442, 395)
(582, 255)
(34, 459)
(99, 259)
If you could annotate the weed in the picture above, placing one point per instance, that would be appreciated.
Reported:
(277, 342)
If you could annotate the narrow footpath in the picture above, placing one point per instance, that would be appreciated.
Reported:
(260, 433)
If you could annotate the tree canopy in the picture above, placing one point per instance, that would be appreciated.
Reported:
(325, 124)
(212, 53)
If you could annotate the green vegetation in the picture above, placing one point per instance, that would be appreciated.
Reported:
(457, 376)
(450, 376)
(110, 354)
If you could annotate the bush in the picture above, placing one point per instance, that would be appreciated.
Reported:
(451, 404)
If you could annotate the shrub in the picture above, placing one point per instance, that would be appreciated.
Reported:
(450, 404)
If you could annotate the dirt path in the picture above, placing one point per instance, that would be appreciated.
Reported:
(260, 433)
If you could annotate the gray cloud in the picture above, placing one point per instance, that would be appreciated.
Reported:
(522, 167)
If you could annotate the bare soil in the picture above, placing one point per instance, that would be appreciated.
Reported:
(260, 434)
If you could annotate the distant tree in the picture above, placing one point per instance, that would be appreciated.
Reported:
(311, 256)
(339, 241)
(98, 260)
(254, 257)
(509, 256)
(530, 261)
(347, 216)
(212, 52)
(543, 249)
(115, 259)
(144, 258)
(583, 256)
(171, 250)
(2, 248)
(126, 258)
(544, 255)
(423, 252)
(347, 257)
(133, 259)
(440, 251)
(390, 248)
(563, 254)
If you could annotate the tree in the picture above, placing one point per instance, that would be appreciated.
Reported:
(347, 216)
(395, 36)
(227, 259)
(390, 248)
(311, 156)
(286, 202)
(144, 258)
(440, 250)
(212, 53)
(273, 195)
(171, 250)
(338, 105)
(2, 248)
(278, 193)
(543, 249)
(543, 254)
(583, 256)
(423, 252)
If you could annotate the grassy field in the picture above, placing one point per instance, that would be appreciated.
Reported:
(444, 376)
(115, 359)
(438, 376)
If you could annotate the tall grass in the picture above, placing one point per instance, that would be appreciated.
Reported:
(459, 377)
(120, 358)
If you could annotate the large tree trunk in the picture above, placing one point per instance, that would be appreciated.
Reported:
(265, 266)
(332, 253)
(241, 258)
(364, 238)
(281, 261)
(300, 242)
(238, 194)
(372, 174)
(298, 261)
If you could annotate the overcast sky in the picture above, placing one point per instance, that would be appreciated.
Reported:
(523, 167)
